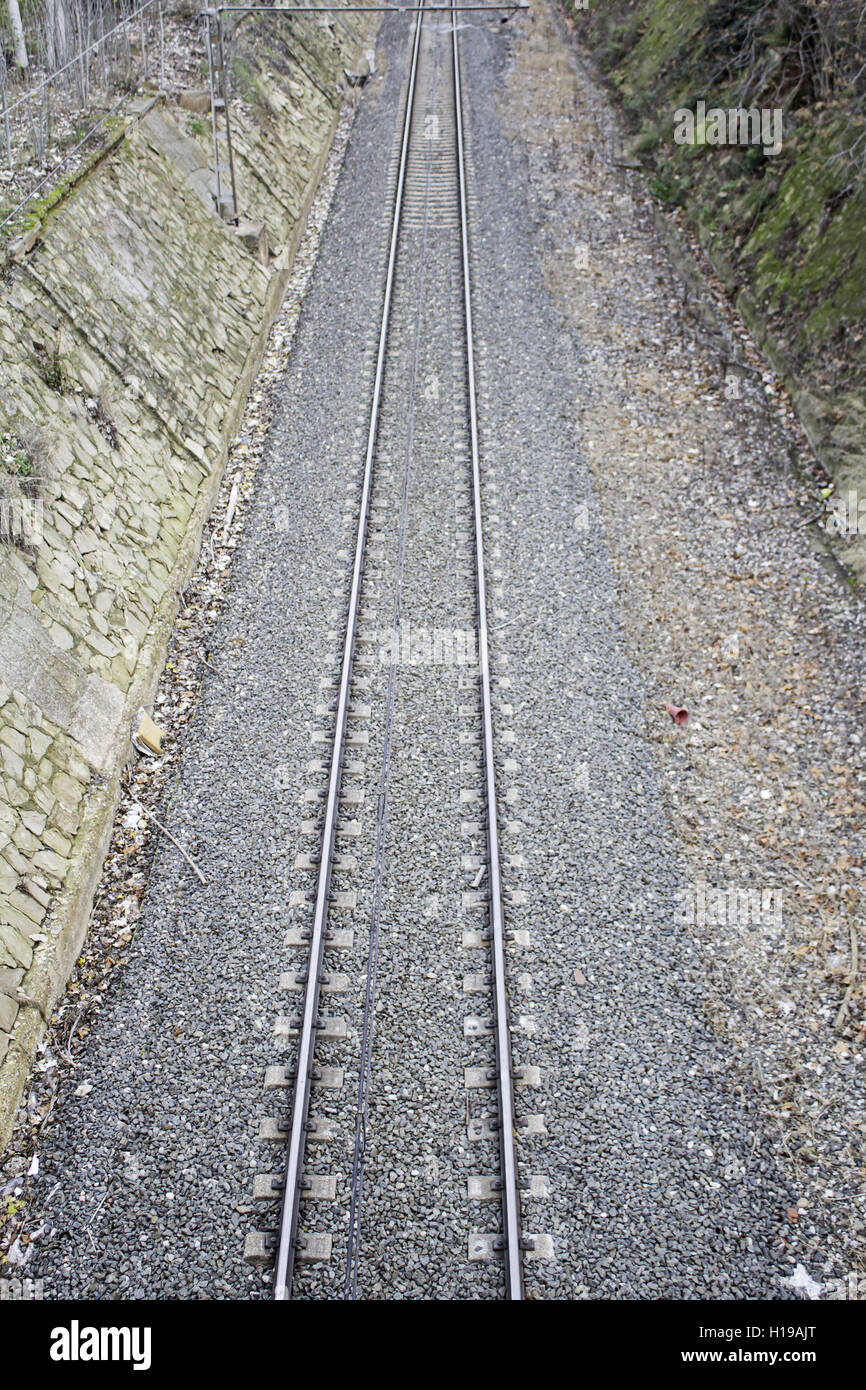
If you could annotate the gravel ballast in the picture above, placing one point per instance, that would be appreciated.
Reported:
(650, 1156)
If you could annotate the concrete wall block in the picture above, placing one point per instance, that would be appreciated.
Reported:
(10, 979)
(15, 947)
(8, 1012)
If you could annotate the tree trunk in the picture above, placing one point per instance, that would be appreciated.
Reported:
(17, 34)
(58, 33)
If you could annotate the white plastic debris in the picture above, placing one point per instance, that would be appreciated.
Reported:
(17, 1255)
(801, 1282)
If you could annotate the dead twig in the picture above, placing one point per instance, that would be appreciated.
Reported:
(807, 521)
(855, 962)
(47, 1116)
(232, 506)
(67, 1051)
(196, 870)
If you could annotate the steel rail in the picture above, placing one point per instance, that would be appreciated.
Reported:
(504, 1080)
(353, 1249)
(290, 1212)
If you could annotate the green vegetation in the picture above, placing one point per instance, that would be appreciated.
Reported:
(37, 209)
(25, 466)
(784, 230)
(53, 365)
(13, 453)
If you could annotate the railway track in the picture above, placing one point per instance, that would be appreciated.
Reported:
(428, 252)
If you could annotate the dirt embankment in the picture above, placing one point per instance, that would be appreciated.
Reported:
(783, 227)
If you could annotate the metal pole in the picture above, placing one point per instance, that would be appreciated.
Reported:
(208, 17)
(161, 47)
(225, 85)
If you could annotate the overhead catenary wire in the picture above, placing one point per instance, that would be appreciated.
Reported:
(65, 160)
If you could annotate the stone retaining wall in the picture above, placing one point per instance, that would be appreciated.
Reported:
(130, 331)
